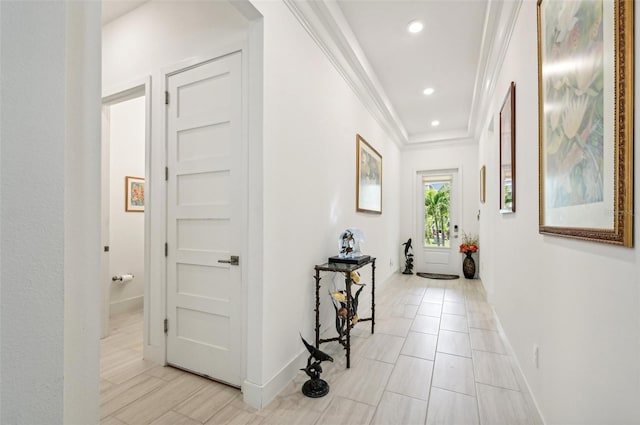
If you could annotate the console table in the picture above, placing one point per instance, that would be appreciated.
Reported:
(345, 269)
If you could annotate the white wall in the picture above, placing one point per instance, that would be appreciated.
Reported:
(311, 117)
(446, 155)
(579, 301)
(32, 214)
(143, 43)
(126, 229)
(49, 212)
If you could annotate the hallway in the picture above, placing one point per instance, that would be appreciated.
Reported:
(436, 358)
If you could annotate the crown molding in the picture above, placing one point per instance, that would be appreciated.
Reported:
(327, 26)
(442, 143)
(426, 138)
(500, 21)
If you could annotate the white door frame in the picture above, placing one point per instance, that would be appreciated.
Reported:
(243, 197)
(113, 95)
(419, 248)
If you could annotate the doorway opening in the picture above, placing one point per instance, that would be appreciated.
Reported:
(125, 134)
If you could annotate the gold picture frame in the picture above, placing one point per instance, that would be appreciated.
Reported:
(585, 73)
(508, 152)
(134, 194)
(483, 184)
(368, 178)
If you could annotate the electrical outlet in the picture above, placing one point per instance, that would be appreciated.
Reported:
(536, 356)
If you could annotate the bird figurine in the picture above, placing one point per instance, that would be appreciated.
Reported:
(408, 257)
(315, 387)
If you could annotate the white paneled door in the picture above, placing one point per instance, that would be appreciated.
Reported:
(204, 158)
(438, 232)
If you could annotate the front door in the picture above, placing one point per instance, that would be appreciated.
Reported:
(438, 232)
(204, 159)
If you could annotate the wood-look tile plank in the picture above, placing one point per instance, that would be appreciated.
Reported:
(421, 345)
(450, 408)
(494, 369)
(379, 346)
(454, 343)
(345, 411)
(502, 406)
(398, 326)
(484, 340)
(455, 295)
(426, 324)
(395, 409)
(452, 322)
(124, 371)
(434, 295)
(236, 413)
(205, 403)
(454, 373)
(111, 421)
(157, 403)
(166, 373)
(364, 381)
(408, 311)
(174, 418)
(430, 309)
(129, 392)
(411, 377)
(454, 308)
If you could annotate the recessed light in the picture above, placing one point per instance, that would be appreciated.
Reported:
(428, 91)
(415, 27)
(435, 123)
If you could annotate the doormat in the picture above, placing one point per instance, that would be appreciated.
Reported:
(439, 276)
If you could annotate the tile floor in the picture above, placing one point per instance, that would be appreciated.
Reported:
(436, 358)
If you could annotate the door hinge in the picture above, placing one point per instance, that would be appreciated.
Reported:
(166, 173)
(166, 325)
(166, 249)
(166, 98)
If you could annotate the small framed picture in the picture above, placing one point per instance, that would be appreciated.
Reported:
(368, 178)
(483, 184)
(134, 194)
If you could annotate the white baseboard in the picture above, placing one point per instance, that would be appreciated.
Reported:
(522, 380)
(125, 306)
(259, 396)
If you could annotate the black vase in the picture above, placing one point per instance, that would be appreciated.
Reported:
(468, 266)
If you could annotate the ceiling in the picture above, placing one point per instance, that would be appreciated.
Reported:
(443, 56)
(456, 54)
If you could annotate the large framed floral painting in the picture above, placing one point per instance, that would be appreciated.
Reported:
(585, 71)
(134, 194)
(368, 178)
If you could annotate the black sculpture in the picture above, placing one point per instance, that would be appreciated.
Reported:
(315, 387)
(408, 257)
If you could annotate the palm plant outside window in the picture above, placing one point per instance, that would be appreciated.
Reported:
(437, 198)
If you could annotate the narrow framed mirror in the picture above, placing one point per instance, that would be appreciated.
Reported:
(508, 152)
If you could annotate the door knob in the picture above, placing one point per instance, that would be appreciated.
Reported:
(234, 260)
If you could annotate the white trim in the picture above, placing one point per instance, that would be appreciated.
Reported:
(430, 138)
(328, 27)
(116, 94)
(128, 305)
(500, 22)
(260, 396)
(253, 308)
(325, 23)
(516, 363)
